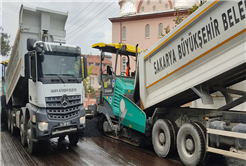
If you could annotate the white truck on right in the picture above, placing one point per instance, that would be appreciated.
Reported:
(204, 54)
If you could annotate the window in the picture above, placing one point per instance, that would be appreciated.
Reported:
(154, 7)
(142, 8)
(148, 2)
(166, 6)
(123, 64)
(160, 30)
(147, 31)
(92, 80)
(124, 33)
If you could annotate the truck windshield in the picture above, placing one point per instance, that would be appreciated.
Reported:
(62, 65)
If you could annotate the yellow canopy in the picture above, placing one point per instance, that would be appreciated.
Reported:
(124, 49)
(5, 62)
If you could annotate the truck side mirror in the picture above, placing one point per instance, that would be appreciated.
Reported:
(85, 67)
(33, 64)
(29, 44)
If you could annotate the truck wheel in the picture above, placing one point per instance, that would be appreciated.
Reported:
(32, 146)
(22, 131)
(3, 108)
(73, 138)
(204, 133)
(9, 120)
(163, 138)
(14, 130)
(190, 144)
(175, 131)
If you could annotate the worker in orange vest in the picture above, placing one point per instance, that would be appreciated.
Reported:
(127, 69)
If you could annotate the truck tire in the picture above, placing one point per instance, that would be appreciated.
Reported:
(3, 109)
(9, 120)
(73, 138)
(23, 131)
(163, 138)
(191, 144)
(204, 133)
(14, 130)
(175, 131)
(31, 145)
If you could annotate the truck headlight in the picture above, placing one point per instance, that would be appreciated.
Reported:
(42, 126)
(82, 120)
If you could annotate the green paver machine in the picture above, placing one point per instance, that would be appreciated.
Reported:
(114, 88)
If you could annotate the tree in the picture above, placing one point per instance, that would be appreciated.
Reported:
(5, 46)
(180, 17)
(86, 81)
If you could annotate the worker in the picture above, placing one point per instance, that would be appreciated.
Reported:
(75, 69)
(127, 69)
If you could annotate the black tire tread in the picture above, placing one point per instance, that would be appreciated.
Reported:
(173, 137)
(204, 133)
(202, 140)
(73, 138)
(23, 142)
(32, 150)
(175, 131)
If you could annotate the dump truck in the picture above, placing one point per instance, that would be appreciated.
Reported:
(44, 80)
(204, 54)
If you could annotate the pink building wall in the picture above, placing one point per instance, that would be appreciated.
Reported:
(135, 26)
(135, 34)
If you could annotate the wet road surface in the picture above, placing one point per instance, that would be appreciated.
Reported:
(89, 151)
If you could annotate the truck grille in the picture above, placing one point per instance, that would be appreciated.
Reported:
(56, 111)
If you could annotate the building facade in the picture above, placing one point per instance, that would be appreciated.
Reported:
(94, 62)
(142, 22)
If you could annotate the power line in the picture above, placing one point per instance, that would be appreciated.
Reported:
(94, 26)
(89, 31)
(83, 17)
(91, 18)
(80, 13)
(90, 22)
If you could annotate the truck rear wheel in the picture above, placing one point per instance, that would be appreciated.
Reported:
(204, 133)
(14, 130)
(163, 138)
(73, 138)
(9, 120)
(22, 131)
(191, 144)
(3, 108)
(32, 146)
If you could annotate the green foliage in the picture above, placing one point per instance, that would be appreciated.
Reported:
(180, 17)
(167, 29)
(5, 47)
(86, 81)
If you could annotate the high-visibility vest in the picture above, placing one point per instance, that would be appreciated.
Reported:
(128, 70)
